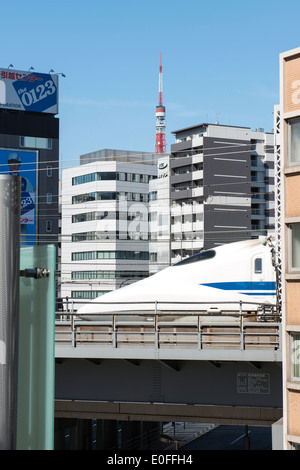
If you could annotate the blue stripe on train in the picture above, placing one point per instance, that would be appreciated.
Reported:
(268, 287)
(259, 293)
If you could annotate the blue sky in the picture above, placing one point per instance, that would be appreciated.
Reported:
(220, 62)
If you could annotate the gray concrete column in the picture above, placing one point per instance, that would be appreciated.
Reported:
(150, 433)
(139, 435)
(81, 435)
(10, 205)
(61, 429)
(106, 434)
(277, 435)
(131, 434)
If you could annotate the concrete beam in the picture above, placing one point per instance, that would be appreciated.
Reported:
(262, 416)
(176, 354)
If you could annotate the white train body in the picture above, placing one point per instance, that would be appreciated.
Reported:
(212, 281)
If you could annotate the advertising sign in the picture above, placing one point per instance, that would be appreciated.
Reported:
(23, 163)
(292, 84)
(28, 91)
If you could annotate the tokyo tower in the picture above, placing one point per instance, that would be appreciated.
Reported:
(160, 139)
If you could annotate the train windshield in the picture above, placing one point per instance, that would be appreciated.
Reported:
(203, 255)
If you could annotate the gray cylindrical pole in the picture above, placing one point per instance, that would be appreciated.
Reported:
(10, 203)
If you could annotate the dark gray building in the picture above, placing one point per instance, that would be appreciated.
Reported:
(221, 187)
(29, 148)
(23, 130)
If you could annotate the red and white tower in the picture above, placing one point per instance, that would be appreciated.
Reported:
(160, 140)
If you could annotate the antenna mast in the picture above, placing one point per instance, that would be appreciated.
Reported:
(160, 139)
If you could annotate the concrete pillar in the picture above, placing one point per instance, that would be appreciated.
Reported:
(59, 435)
(150, 433)
(139, 435)
(10, 205)
(131, 434)
(61, 429)
(106, 434)
(277, 435)
(246, 439)
(81, 435)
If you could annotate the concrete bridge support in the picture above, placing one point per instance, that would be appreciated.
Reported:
(106, 434)
(101, 434)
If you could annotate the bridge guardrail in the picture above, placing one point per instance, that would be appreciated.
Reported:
(158, 328)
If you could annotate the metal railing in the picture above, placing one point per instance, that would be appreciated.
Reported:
(157, 328)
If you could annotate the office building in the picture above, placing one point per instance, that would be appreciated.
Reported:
(105, 222)
(290, 243)
(29, 147)
(219, 183)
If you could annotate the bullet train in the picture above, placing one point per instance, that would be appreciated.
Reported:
(224, 279)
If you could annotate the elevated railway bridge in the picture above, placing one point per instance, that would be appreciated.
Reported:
(142, 368)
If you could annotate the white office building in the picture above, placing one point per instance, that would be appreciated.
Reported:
(104, 229)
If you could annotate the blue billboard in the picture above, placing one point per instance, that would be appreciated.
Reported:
(28, 91)
(23, 163)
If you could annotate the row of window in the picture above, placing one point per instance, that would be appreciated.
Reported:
(111, 176)
(111, 235)
(162, 219)
(186, 218)
(87, 294)
(110, 196)
(100, 215)
(108, 274)
(36, 142)
(127, 255)
(89, 216)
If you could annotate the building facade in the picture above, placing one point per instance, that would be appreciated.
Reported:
(37, 135)
(290, 239)
(29, 149)
(105, 223)
(221, 188)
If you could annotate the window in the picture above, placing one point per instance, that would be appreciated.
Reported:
(295, 359)
(88, 178)
(84, 236)
(258, 266)
(81, 179)
(90, 294)
(48, 225)
(36, 142)
(96, 196)
(144, 197)
(203, 255)
(88, 216)
(294, 141)
(152, 216)
(121, 176)
(153, 196)
(107, 195)
(49, 171)
(135, 196)
(84, 255)
(108, 274)
(49, 198)
(124, 255)
(295, 246)
(153, 257)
